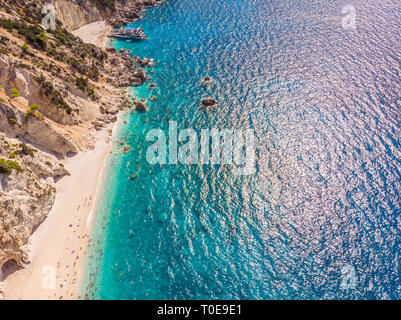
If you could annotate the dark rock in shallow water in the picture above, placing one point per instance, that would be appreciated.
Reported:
(146, 62)
(207, 80)
(209, 102)
(152, 85)
(152, 98)
(141, 74)
(133, 176)
(140, 106)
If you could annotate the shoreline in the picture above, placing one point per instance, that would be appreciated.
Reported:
(58, 248)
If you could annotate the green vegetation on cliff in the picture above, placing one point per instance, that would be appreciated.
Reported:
(26, 150)
(15, 93)
(6, 166)
(110, 4)
(33, 33)
(48, 90)
(33, 109)
(82, 58)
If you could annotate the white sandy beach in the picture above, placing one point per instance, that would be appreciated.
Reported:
(57, 249)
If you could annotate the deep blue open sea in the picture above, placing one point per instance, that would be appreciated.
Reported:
(324, 204)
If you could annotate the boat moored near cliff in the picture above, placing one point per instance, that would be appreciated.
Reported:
(128, 33)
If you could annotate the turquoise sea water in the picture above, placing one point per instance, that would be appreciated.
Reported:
(325, 198)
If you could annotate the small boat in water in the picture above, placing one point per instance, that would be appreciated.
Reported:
(128, 33)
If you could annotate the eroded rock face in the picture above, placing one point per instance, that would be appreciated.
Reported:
(26, 197)
(13, 76)
(76, 13)
(34, 130)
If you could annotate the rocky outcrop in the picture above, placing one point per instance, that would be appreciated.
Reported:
(145, 62)
(123, 71)
(207, 80)
(209, 102)
(140, 105)
(27, 194)
(128, 11)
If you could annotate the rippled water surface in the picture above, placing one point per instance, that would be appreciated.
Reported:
(325, 106)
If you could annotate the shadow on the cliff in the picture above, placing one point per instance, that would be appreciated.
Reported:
(59, 156)
(8, 268)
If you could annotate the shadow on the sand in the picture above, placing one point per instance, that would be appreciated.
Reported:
(8, 268)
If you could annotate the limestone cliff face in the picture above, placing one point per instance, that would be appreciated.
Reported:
(33, 129)
(76, 13)
(12, 75)
(27, 194)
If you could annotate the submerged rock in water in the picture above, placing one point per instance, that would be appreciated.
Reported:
(133, 176)
(162, 218)
(207, 79)
(209, 102)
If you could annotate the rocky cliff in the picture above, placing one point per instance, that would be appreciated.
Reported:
(17, 121)
(76, 13)
(27, 194)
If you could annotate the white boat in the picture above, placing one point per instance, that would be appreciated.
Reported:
(128, 33)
